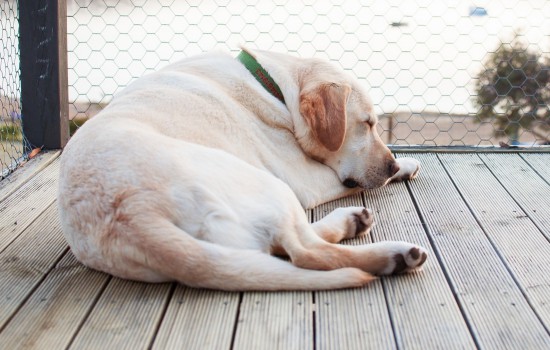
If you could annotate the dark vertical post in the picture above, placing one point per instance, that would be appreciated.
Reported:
(43, 55)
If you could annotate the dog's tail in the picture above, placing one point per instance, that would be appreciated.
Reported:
(196, 263)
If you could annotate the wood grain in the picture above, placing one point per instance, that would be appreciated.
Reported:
(198, 319)
(422, 306)
(24, 205)
(353, 318)
(494, 306)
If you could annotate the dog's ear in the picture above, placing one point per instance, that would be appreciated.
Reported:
(324, 109)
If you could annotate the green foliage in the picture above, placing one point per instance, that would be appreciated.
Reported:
(514, 91)
(75, 124)
(10, 132)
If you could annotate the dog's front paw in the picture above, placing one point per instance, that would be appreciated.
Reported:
(408, 169)
(356, 221)
(403, 257)
(345, 223)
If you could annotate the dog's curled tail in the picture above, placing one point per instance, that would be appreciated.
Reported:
(179, 256)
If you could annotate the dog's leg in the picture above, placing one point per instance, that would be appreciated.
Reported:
(308, 250)
(344, 223)
(172, 254)
(382, 258)
(408, 169)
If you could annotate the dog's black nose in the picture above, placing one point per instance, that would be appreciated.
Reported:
(350, 183)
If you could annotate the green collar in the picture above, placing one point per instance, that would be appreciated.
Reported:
(261, 75)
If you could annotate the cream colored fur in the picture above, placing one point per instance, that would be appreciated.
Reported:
(197, 174)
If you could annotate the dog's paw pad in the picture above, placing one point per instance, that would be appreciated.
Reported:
(400, 257)
(345, 223)
(362, 223)
(412, 260)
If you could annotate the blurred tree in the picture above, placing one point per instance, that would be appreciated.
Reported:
(514, 92)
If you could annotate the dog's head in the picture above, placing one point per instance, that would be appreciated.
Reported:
(341, 131)
(333, 119)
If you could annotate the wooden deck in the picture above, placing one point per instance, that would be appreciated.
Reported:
(484, 217)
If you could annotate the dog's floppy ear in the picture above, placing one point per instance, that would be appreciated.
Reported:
(324, 109)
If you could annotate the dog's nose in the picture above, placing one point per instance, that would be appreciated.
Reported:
(350, 183)
(394, 168)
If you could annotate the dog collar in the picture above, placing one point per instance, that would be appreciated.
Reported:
(261, 75)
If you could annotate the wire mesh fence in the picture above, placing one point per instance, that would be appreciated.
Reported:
(440, 72)
(11, 133)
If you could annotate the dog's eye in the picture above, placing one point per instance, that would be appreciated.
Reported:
(370, 121)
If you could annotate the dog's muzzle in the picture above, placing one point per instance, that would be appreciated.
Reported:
(350, 183)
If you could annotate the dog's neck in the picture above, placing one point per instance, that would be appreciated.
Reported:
(289, 73)
(278, 114)
(261, 75)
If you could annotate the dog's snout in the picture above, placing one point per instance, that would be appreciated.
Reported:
(350, 183)
(394, 168)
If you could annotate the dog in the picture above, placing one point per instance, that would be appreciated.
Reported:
(200, 172)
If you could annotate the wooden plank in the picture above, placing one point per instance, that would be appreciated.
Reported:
(126, 316)
(529, 189)
(469, 149)
(539, 162)
(198, 319)
(278, 320)
(25, 173)
(54, 312)
(498, 314)
(43, 60)
(526, 252)
(352, 318)
(422, 307)
(27, 260)
(275, 320)
(27, 203)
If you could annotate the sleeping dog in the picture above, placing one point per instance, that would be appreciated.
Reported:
(200, 172)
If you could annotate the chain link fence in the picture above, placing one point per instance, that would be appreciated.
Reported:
(11, 133)
(441, 73)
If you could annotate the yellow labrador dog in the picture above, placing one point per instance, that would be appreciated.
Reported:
(200, 172)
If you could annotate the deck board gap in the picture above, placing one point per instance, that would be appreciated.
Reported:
(390, 314)
(309, 213)
(236, 323)
(314, 324)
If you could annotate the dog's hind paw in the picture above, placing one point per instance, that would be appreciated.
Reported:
(404, 257)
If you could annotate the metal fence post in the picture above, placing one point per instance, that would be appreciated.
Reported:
(43, 55)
